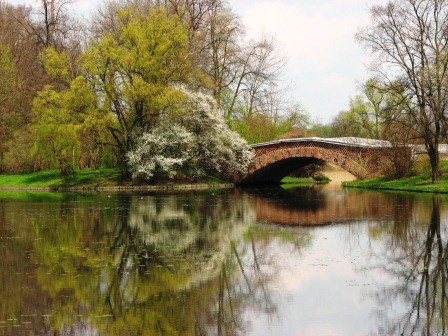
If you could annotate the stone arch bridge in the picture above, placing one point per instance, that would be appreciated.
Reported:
(276, 159)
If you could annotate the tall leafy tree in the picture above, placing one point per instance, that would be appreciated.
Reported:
(21, 78)
(26, 32)
(243, 76)
(134, 69)
(377, 97)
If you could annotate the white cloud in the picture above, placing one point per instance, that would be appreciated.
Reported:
(316, 41)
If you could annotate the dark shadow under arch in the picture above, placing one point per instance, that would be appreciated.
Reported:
(273, 173)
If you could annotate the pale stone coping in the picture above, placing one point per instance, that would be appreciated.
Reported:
(126, 188)
(356, 142)
(421, 149)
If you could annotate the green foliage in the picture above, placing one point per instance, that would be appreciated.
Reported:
(134, 69)
(54, 130)
(56, 64)
(321, 130)
(18, 158)
(254, 129)
(356, 121)
(258, 128)
(261, 127)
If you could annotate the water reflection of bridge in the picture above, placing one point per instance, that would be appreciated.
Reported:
(309, 207)
(269, 211)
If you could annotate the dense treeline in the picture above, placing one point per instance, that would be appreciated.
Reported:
(77, 95)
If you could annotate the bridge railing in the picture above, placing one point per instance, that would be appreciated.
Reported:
(344, 141)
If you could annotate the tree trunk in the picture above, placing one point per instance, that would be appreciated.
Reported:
(434, 158)
(2, 167)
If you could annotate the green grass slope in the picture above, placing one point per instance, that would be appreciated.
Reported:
(53, 178)
(421, 182)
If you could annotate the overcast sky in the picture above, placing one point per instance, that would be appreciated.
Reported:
(325, 64)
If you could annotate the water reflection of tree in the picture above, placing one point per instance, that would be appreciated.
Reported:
(145, 257)
(255, 270)
(21, 298)
(416, 256)
(188, 265)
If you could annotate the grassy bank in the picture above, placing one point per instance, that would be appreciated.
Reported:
(421, 183)
(52, 178)
(296, 180)
(87, 178)
(105, 177)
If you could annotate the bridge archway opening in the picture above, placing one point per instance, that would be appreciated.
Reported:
(275, 172)
(336, 174)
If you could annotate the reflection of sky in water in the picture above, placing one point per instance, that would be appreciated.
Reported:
(322, 290)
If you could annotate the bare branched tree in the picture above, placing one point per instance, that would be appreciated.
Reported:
(409, 40)
(256, 88)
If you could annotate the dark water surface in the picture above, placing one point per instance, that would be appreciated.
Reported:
(304, 261)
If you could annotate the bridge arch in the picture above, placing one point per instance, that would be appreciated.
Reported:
(275, 160)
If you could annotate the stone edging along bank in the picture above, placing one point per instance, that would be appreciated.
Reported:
(200, 186)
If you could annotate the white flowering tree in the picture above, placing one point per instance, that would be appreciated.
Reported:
(191, 142)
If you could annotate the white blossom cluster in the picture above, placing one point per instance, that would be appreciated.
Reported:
(192, 142)
(163, 151)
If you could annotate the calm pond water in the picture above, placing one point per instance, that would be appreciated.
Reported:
(303, 261)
